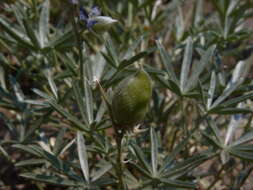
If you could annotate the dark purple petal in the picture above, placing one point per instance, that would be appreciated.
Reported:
(91, 23)
(83, 14)
(95, 11)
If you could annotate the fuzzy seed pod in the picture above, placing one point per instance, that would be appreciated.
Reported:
(130, 101)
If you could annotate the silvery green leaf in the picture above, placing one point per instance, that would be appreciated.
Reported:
(2, 78)
(232, 126)
(88, 101)
(44, 22)
(237, 78)
(49, 75)
(186, 64)
(211, 90)
(154, 151)
(52, 179)
(83, 156)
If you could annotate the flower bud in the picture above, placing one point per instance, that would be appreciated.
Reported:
(102, 23)
(131, 98)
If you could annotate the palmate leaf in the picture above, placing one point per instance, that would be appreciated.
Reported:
(170, 159)
(234, 101)
(68, 61)
(103, 181)
(177, 183)
(59, 143)
(32, 149)
(212, 141)
(62, 42)
(30, 162)
(230, 111)
(142, 159)
(198, 68)
(220, 106)
(31, 33)
(111, 52)
(245, 155)
(172, 156)
(225, 94)
(170, 171)
(77, 124)
(180, 169)
(244, 147)
(126, 62)
(143, 171)
(215, 131)
(170, 84)
(109, 60)
(56, 180)
(55, 162)
(20, 37)
(104, 167)
(131, 181)
(68, 116)
(130, 50)
(19, 13)
(244, 139)
(37, 124)
(80, 101)
(241, 150)
(153, 70)
(166, 61)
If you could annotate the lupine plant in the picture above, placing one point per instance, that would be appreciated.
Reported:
(139, 94)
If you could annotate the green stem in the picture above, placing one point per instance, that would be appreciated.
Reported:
(78, 41)
(119, 170)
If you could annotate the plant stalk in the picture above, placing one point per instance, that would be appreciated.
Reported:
(119, 170)
(75, 8)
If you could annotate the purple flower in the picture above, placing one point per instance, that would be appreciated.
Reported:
(84, 16)
(95, 11)
(93, 20)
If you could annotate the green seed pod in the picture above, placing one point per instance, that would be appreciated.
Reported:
(131, 98)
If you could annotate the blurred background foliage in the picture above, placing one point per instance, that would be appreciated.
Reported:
(55, 127)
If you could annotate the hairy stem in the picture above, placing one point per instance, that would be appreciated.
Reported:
(119, 170)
